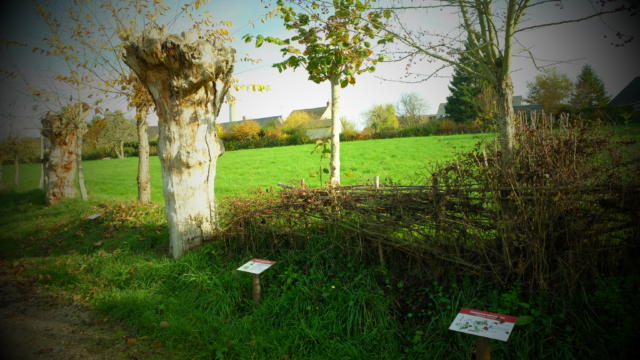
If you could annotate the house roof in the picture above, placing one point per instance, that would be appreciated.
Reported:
(264, 121)
(630, 95)
(318, 124)
(314, 113)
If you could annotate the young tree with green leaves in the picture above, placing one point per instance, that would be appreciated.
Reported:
(550, 89)
(589, 92)
(382, 117)
(334, 44)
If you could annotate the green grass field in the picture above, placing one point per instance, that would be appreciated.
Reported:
(318, 302)
(404, 160)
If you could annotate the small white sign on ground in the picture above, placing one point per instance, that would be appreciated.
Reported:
(93, 216)
(256, 266)
(483, 323)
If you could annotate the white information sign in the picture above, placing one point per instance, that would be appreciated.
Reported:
(483, 323)
(256, 266)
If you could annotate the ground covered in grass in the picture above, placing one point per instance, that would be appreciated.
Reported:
(319, 301)
(405, 160)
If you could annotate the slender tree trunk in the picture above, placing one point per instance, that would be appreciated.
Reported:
(16, 172)
(335, 132)
(188, 79)
(60, 166)
(121, 150)
(144, 179)
(83, 188)
(41, 183)
(506, 116)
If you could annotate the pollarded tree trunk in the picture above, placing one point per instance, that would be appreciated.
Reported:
(60, 159)
(188, 79)
(335, 132)
(144, 179)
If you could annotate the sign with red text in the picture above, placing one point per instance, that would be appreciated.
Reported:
(256, 266)
(483, 323)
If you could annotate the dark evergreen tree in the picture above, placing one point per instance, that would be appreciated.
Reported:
(589, 92)
(462, 104)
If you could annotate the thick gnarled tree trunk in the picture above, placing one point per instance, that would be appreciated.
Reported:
(60, 158)
(335, 132)
(144, 179)
(188, 79)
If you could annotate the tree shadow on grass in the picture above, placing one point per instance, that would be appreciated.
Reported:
(30, 229)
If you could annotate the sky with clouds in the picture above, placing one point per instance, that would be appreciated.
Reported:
(570, 45)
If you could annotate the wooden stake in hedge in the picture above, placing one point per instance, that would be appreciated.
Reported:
(256, 267)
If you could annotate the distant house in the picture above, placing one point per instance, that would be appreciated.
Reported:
(320, 123)
(516, 100)
(629, 96)
(441, 111)
(263, 122)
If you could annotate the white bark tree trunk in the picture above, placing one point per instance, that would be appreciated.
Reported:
(60, 159)
(188, 79)
(83, 188)
(335, 132)
(506, 116)
(144, 179)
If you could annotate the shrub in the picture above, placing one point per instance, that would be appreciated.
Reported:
(247, 129)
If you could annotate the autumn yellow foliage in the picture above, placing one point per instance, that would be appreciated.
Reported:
(246, 130)
(297, 120)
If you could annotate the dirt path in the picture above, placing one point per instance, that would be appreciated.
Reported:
(35, 326)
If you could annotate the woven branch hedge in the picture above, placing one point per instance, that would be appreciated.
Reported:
(561, 212)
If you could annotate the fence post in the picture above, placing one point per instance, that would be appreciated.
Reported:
(436, 203)
(376, 184)
(483, 349)
(302, 184)
(256, 290)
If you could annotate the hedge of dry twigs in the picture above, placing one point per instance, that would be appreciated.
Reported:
(562, 210)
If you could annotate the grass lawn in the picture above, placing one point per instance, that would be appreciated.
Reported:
(318, 302)
(403, 160)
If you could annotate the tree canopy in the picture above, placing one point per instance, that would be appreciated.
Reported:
(550, 89)
(381, 117)
(589, 92)
(412, 106)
